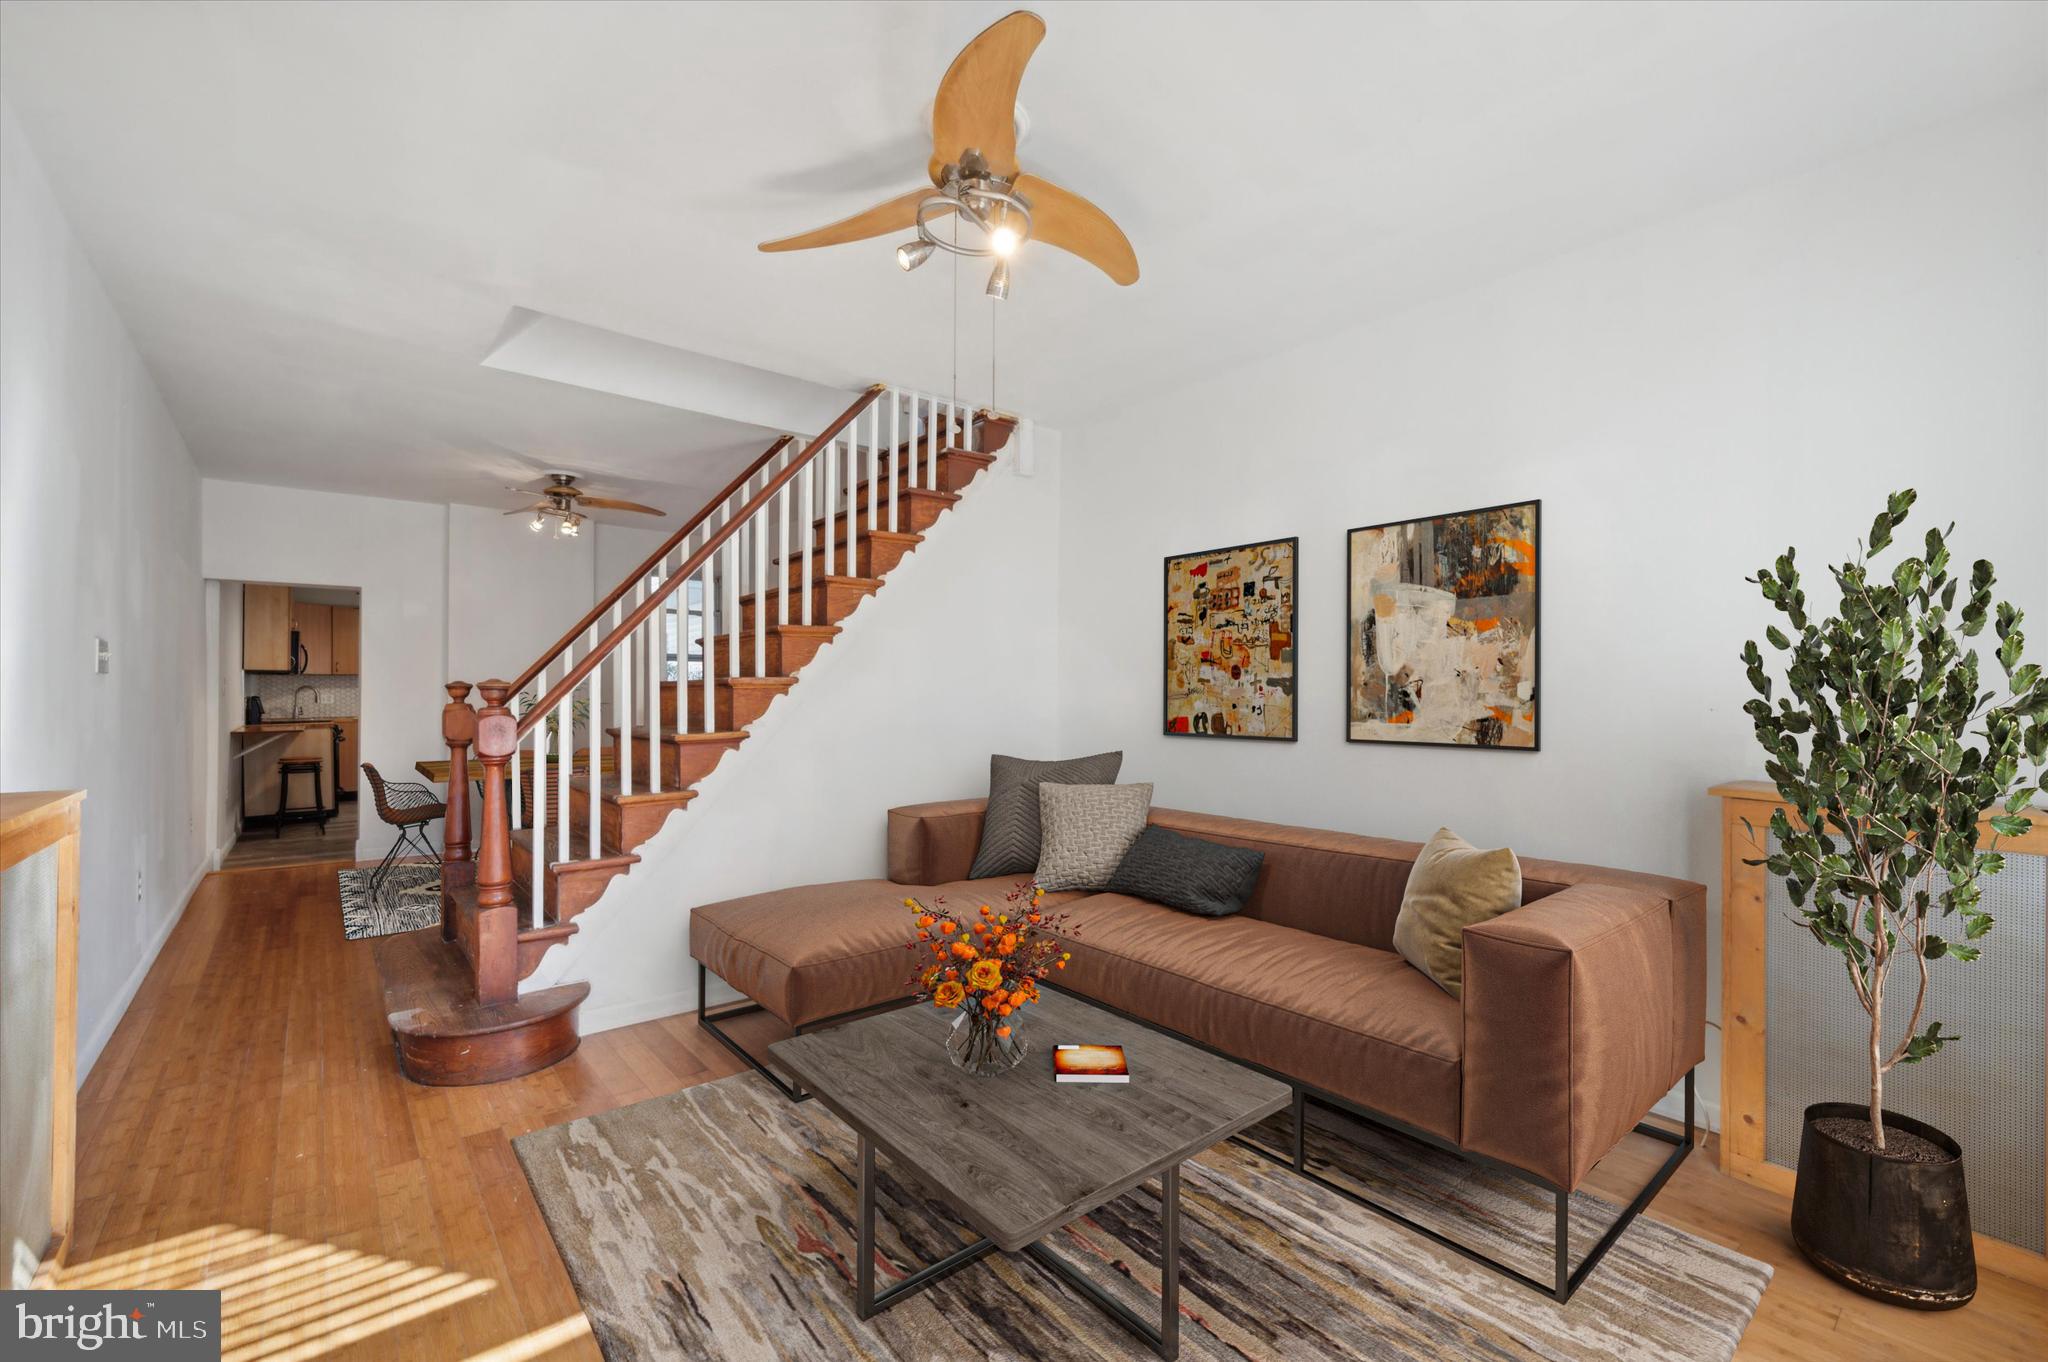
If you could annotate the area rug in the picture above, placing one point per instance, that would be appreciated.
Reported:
(407, 900)
(717, 1223)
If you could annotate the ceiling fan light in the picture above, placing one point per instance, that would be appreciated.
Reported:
(571, 525)
(911, 254)
(999, 280)
(537, 524)
(1004, 240)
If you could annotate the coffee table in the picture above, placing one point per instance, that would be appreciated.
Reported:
(1018, 1155)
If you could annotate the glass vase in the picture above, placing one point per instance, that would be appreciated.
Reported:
(974, 1046)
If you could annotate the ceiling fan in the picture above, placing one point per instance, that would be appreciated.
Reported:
(563, 502)
(975, 175)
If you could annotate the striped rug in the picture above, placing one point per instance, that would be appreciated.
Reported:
(716, 1223)
(407, 900)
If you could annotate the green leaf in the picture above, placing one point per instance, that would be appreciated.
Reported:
(2010, 825)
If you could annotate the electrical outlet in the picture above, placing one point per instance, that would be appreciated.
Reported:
(138, 884)
(102, 657)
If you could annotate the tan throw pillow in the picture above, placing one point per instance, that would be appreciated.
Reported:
(1453, 885)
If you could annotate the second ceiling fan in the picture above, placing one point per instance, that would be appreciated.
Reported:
(975, 175)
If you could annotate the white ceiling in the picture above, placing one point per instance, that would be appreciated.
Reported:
(316, 218)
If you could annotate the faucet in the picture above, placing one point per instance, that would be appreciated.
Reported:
(295, 698)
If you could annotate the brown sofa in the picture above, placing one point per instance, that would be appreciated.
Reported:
(1581, 1008)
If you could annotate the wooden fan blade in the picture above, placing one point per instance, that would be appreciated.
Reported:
(894, 216)
(1062, 218)
(977, 102)
(529, 510)
(607, 504)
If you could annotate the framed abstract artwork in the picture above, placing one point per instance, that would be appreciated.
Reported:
(1230, 666)
(1443, 614)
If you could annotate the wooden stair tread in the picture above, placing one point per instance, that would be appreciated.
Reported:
(429, 992)
(611, 860)
(737, 735)
(608, 791)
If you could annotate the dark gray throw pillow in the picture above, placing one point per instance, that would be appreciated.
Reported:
(1010, 831)
(1188, 873)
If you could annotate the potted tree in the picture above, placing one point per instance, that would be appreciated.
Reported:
(1889, 750)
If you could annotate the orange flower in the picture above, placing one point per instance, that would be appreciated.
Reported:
(1003, 1031)
(948, 994)
(1005, 1010)
(1008, 943)
(984, 974)
(1062, 964)
(1034, 918)
(947, 928)
(965, 951)
(986, 911)
(925, 920)
(924, 935)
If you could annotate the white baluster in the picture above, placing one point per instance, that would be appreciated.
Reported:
(757, 532)
(622, 695)
(873, 416)
(783, 562)
(714, 616)
(895, 400)
(848, 564)
(538, 880)
(804, 539)
(655, 642)
(830, 487)
(593, 688)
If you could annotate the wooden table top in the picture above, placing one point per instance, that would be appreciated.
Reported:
(1019, 1155)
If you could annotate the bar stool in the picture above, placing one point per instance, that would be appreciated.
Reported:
(286, 810)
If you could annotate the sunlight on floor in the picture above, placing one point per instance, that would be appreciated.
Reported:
(537, 1343)
(284, 1299)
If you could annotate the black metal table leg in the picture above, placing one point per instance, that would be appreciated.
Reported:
(1164, 1339)
(866, 1302)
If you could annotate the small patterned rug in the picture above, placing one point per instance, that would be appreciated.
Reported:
(409, 899)
(717, 1223)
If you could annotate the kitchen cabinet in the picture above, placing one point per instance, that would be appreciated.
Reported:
(348, 640)
(348, 756)
(315, 624)
(266, 628)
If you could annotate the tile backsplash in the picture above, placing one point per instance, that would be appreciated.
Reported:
(332, 697)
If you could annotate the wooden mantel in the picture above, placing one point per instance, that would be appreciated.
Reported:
(1746, 809)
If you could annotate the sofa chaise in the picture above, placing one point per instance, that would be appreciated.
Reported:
(1581, 1008)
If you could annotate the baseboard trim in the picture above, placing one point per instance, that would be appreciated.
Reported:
(615, 1015)
(89, 1052)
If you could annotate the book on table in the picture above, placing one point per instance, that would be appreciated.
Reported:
(1090, 1064)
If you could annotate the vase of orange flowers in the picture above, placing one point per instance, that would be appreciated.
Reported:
(986, 967)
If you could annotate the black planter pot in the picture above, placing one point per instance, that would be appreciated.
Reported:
(1892, 1229)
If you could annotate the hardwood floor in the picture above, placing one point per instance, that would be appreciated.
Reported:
(297, 843)
(247, 1129)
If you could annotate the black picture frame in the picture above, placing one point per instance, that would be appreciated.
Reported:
(1536, 528)
(1293, 734)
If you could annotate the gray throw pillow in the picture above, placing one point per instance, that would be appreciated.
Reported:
(1009, 831)
(1188, 873)
(1088, 828)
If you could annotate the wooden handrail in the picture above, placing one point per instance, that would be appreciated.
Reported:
(566, 685)
(653, 561)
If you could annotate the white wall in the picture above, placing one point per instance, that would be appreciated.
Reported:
(1686, 400)
(393, 551)
(956, 657)
(449, 592)
(99, 537)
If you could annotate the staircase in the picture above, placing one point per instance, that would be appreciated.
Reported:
(744, 596)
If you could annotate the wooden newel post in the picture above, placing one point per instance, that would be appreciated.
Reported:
(458, 729)
(497, 736)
